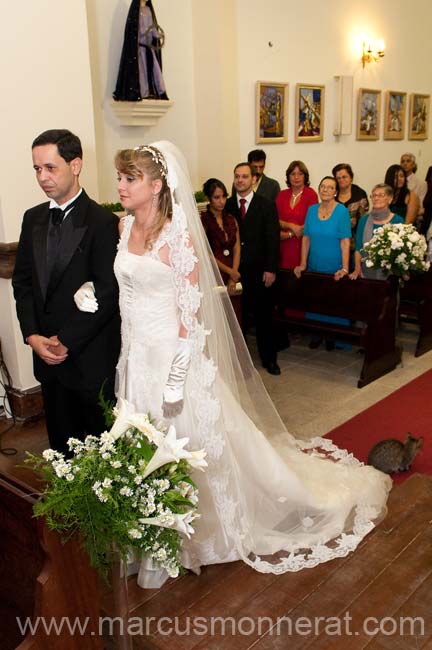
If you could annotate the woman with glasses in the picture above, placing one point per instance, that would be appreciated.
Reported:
(380, 215)
(353, 197)
(326, 245)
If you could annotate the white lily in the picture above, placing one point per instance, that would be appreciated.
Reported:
(170, 450)
(181, 523)
(123, 411)
(196, 459)
(141, 422)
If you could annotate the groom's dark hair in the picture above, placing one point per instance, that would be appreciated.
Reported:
(68, 144)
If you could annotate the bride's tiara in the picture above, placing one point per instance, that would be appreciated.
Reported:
(156, 156)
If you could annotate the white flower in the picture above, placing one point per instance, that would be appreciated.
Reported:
(369, 263)
(134, 533)
(69, 477)
(171, 449)
(126, 491)
(181, 523)
(196, 459)
(107, 482)
(116, 464)
(49, 454)
(122, 412)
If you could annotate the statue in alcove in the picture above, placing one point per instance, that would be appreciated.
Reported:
(140, 71)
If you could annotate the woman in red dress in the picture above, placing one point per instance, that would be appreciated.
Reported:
(292, 205)
(223, 235)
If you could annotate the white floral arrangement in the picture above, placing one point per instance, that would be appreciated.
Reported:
(396, 249)
(129, 490)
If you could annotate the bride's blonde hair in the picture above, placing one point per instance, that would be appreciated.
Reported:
(149, 161)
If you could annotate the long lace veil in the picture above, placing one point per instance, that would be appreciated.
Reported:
(225, 344)
(262, 499)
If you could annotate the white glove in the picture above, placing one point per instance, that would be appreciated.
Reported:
(85, 298)
(172, 404)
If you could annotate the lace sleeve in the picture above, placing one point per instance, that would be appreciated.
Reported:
(184, 262)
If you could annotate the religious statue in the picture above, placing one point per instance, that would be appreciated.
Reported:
(140, 71)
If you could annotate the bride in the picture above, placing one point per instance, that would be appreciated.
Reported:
(274, 502)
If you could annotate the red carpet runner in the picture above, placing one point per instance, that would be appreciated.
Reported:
(407, 409)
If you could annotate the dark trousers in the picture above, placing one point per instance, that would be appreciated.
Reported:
(73, 413)
(259, 302)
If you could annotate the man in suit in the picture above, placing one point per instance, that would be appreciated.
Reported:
(64, 243)
(259, 235)
(264, 185)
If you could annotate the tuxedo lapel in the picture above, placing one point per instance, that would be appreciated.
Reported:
(40, 234)
(72, 234)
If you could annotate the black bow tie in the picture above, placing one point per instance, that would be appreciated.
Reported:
(56, 216)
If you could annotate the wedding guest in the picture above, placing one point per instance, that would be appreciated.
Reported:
(292, 205)
(380, 215)
(223, 234)
(404, 202)
(353, 197)
(326, 244)
(259, 236)
(415, 184)
(263, 185)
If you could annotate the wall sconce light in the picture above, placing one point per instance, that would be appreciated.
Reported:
(372, 53)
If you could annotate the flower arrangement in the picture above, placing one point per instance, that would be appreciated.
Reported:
(130, 489)
(396, 249)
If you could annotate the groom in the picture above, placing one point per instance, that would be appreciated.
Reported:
(65, 242)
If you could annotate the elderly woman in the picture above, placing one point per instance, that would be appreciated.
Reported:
(380, 215)
(292, 205)
(223, 235)
(404, 202)
(326, 244)
(353, 197)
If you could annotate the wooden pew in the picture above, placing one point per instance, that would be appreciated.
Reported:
(41, 577)
(369, 305)
(416, 306)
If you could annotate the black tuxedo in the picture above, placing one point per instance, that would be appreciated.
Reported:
(45, 306)
(268, 187)
(259, 235)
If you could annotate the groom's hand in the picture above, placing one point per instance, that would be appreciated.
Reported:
(58, 348)
(44, 347)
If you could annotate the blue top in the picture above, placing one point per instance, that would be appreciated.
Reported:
(325, 255)
(361, 226)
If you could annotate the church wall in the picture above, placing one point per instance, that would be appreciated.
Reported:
(46, 84)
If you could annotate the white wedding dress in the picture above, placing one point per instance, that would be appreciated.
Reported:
(276, 503)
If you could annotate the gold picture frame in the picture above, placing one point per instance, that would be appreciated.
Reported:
(368, 114)
(394, 115)
(271, 112)
(309, 113)
(419, 114)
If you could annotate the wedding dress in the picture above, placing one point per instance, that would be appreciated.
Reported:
(274, 502)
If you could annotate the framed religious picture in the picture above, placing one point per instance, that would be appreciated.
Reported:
(271, 111)
(309, 113)
(368, 114)
(394, 115)
(419, 117)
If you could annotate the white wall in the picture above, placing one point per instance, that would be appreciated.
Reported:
(320, 39)
(45, 73)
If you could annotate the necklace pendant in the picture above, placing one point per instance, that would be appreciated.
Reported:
(226, 252)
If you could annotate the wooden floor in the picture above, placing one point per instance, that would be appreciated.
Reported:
(388, 578)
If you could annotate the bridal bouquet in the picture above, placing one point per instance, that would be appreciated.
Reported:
(130, 489)
(397, 249)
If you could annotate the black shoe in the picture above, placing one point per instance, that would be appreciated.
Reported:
(315, 342)
(329, 345)
(273, 368)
